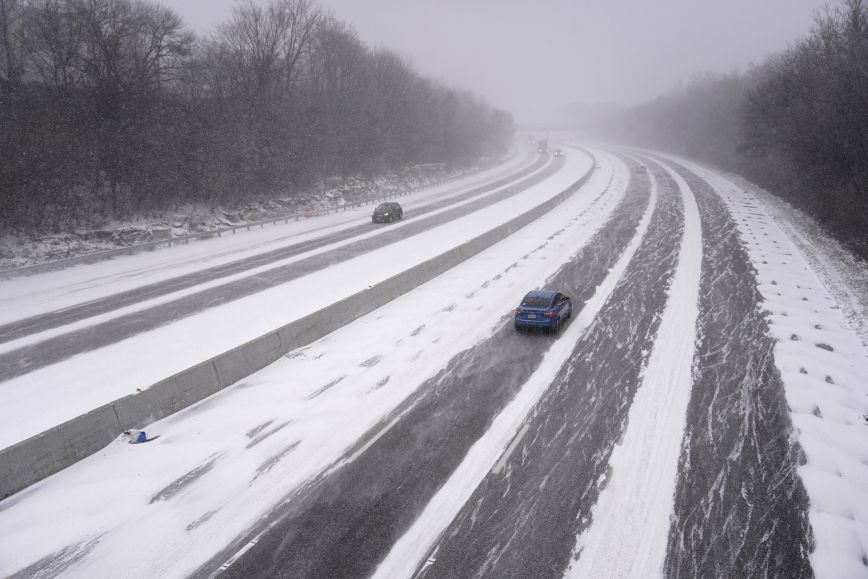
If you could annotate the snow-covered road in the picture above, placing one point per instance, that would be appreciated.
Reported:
(113, 354)
(703, 414)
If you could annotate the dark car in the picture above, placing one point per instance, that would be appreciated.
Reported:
(543, 309)
(387, 212)
(559, 153)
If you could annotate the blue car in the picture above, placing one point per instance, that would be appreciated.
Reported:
(543, 309)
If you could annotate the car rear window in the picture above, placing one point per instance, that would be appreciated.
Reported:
(535, 302)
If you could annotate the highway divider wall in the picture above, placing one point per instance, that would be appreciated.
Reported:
(40, 456)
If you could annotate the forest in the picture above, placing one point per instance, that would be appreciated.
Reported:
(109, 108)
(796, 124)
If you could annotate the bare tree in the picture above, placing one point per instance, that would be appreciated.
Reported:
(11, 51)
(54, 40)
(118, 107)
(303, 17)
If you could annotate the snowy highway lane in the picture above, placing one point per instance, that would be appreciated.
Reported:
(739, 507)
(430, 439)
(520, 522)
(36, 295)
(253, 443)
(344, 525)
(106, 294)
(100, 375)
(805, 419)
(31, 343)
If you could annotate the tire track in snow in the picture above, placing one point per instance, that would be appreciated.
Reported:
(523, 519)
(347, 524)
(631, 517)
(740, 508)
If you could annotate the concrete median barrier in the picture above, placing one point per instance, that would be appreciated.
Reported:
(242, 361)
(167, 396)
(38, 457)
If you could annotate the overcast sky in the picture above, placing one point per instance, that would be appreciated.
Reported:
(532, 57)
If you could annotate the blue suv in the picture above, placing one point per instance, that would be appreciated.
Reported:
(543, 309)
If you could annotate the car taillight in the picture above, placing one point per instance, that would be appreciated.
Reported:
(549, 314)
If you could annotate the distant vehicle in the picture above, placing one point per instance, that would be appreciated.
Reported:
(643, 169)
(542, 146)
(559, 153)
(387, 212)
(543, 309)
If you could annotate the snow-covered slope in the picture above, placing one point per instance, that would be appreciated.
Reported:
(824, 367)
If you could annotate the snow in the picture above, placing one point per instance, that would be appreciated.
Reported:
(843, 274)
(414, 546)
(54, 292)
(23, 297)
(629, 532)
(221, 465)
(191, 218)
(824, 368)
(89, 380)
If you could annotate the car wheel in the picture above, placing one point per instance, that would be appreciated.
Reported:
(557, 326)
(569, 310)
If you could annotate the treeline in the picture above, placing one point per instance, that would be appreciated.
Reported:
(797, 124)
(112, 107)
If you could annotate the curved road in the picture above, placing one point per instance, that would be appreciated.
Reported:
(739, 507)
(502, 463)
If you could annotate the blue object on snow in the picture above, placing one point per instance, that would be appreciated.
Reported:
(135, 436)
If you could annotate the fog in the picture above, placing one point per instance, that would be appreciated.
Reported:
(533, 58)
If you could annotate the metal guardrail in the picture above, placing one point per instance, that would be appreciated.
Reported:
(184, 239)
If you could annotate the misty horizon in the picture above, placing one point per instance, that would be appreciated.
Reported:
(534, 63)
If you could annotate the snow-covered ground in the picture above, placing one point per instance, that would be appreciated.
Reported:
(84, 382)
(844, 275)
(493, 448)
(23, 250)
(220, 465)
(23, 297)
(823, 365)
(631, 518)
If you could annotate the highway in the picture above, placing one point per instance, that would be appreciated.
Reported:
(670, 428)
